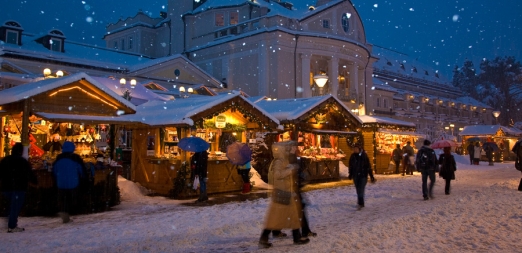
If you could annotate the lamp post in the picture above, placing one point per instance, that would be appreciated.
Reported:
(48, 74)
(496, 114)
(126, 93)
(452, 126)
(321, 80)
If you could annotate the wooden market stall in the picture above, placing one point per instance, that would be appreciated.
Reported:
(380, 137)
(324, 129)
(159, 165)
(504, 137)
(51, 111)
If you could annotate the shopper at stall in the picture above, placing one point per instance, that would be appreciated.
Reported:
(68, 169)
(285, 210)
(199, 162)
(15, 175)
(426, 162)
(447, 168)
(244, 171)
(397, 157)
(477, 152)
(407, 162)
(358, 169)
(471, 152)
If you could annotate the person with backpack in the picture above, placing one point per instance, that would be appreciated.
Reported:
(397, 157)
(358, 169)
(426, 162)
(448, 166)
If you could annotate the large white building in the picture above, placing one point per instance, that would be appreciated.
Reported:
(263, 47)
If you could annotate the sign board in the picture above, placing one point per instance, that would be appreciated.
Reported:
(221, 121)
(251, 140)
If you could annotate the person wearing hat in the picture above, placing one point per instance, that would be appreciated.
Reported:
(15, 175)
(68, 169)
(358, 169)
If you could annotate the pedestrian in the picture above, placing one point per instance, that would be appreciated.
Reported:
(407, 163)
(471, 151)
(426, 162)
(15, 175)
(358, 169)
(489, 154)
(68, 170)
(477, 152)
(448, 166)
(199, 164)
(244, 171)
(285, 208)
(397, 157)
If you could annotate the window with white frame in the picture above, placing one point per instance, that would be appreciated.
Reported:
(378, 102)
(326, 23)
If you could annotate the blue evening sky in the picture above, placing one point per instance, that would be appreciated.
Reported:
(441, 34)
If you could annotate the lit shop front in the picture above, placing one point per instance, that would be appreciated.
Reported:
(161, 166)
(324, 129)
(501, 139)
(44, 114)
(381, 136)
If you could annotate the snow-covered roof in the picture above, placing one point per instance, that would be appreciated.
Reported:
(473, 102)
(75, 53)
(483, 130)
(180, 111)
(380, 85)
(400, 63)
(25, 91)
(139, 93)
(300, 9)
(384, 120)
(293, 108)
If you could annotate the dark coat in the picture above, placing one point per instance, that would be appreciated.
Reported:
(15, 173)
(448, 166)
(68, 169)
(198, 162)
(359, 165)
(471, 149)
(431, 155)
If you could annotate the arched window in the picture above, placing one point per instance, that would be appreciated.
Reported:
(346, 22)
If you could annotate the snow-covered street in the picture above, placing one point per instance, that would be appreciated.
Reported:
(482, 214)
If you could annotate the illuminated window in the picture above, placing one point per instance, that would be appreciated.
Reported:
(234, 18)
(220, 19)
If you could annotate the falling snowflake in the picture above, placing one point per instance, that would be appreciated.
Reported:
(88, 19)
(455, 18)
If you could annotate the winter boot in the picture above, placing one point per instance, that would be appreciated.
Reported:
(263, 241)
(296, 234)
(246, 188)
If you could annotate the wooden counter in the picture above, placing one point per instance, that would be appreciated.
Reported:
(320, 170)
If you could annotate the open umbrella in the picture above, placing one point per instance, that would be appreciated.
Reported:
(193, 144)
(443, 144)
(494, 147)
(239, 153)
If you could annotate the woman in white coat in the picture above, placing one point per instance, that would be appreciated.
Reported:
(477, 153)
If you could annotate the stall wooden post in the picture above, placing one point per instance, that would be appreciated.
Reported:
(2, 139)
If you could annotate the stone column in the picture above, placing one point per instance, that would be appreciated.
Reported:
(333, 75)
(306, 90)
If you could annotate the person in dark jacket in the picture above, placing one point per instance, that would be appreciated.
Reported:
(471, 152)
(15, 175)
(68, 169)
(427, 167)
(358, 169)
(448, 166)
(199, 162)
(397, 157)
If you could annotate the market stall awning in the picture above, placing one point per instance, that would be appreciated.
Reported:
(56, 117)
(489, 130)
(419, 135)
(367, 119)
(332, 132)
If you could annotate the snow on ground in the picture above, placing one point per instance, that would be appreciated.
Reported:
(482, 214)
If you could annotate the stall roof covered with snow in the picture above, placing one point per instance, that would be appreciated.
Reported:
(489, 130)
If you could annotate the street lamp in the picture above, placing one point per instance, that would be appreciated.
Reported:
(452, 126)
(321, 80)
(125, 91)
(496, 114)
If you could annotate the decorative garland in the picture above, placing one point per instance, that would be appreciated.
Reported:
(210, 124)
